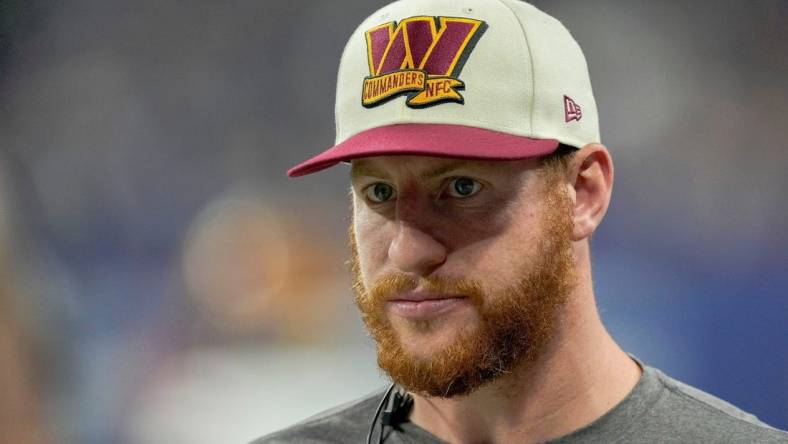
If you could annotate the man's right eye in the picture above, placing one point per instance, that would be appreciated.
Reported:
(379, 192)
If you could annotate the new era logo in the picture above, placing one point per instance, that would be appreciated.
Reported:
(571, 110)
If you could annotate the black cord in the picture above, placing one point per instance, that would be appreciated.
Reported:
(377, 413)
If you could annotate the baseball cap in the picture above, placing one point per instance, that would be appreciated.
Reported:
(476, 79)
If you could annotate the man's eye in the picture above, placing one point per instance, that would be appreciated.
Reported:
(379, 192)
(463, 187)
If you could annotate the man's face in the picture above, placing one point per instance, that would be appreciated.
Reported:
(459, 266)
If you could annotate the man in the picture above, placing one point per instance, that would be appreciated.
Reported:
(478, 178)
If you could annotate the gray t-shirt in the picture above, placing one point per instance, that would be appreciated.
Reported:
(658, 410)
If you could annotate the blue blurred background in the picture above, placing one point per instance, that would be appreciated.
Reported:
(164, 282)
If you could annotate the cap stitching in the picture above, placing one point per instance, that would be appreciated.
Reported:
(486, 125)
(533, 72)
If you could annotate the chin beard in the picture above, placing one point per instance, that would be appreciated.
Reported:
(515, 324)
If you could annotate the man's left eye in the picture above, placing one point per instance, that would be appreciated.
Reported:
(463, 187)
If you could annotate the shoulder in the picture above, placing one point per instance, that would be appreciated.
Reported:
(687, 413)
(342, 424)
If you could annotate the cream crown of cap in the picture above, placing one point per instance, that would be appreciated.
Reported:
(487, 79)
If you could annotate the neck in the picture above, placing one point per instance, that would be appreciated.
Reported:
(581, 375)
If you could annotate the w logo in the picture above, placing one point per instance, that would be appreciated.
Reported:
(421, 56)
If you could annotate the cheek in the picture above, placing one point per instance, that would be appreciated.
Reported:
(499, 260)
(371, 245)
(499, 264)
(462, 225)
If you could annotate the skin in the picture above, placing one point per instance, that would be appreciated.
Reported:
(424, 230)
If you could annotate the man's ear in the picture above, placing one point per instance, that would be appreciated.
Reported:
(591, 176)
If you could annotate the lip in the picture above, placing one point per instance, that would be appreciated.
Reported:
(420, 296)
(419, 305)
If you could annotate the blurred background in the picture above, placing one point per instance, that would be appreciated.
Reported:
(162, 281)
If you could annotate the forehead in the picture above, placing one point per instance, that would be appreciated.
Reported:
(426, 167)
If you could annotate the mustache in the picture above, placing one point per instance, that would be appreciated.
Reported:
(394, 284)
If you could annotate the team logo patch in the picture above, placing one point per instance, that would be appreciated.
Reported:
(420, 57)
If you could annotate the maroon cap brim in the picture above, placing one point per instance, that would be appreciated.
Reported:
(427, 139)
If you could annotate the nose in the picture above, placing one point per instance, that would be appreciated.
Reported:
(414, 251)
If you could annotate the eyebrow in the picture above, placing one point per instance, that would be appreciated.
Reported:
(358, 170)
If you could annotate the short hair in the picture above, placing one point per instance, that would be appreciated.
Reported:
(559, 159)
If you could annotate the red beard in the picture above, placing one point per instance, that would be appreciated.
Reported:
(515, 324)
